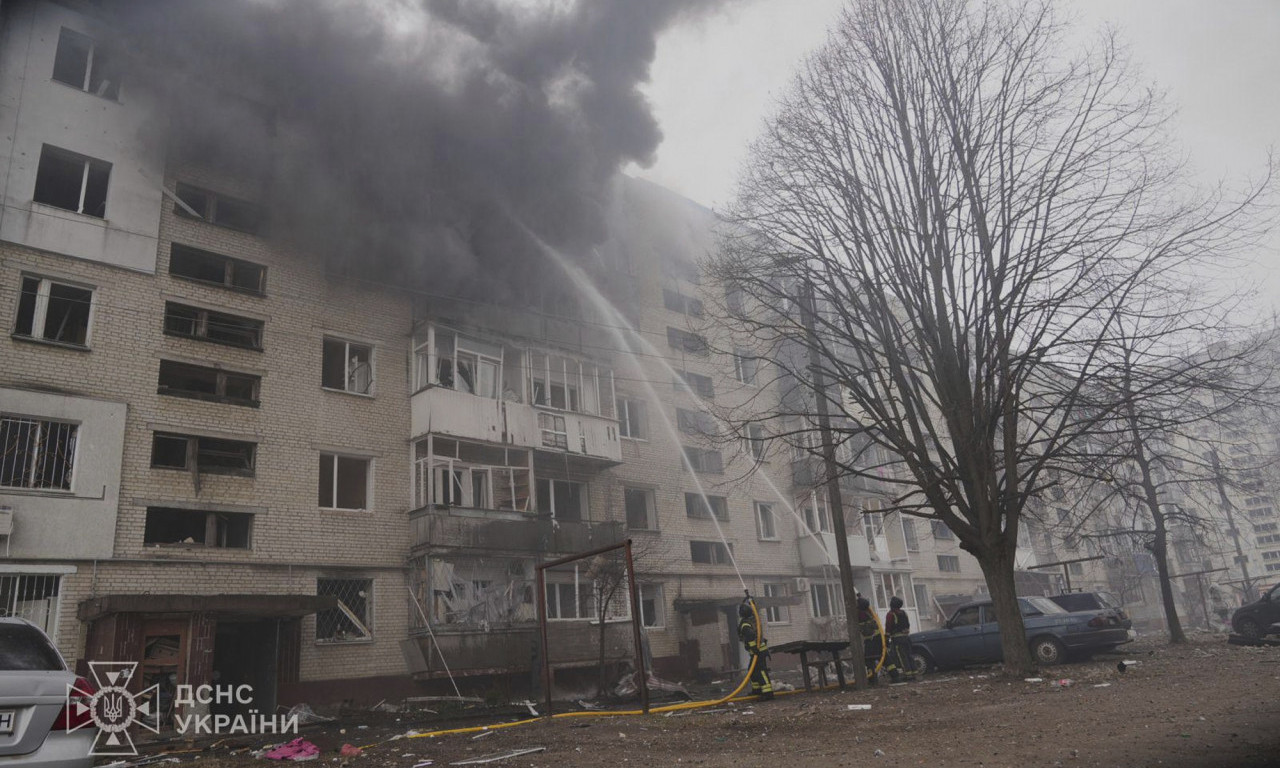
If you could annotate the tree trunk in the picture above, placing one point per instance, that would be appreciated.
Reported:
(998, 569)
(1160, 551)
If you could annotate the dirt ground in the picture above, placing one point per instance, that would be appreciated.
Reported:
(1208, 704)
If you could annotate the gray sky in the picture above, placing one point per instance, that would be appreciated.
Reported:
(715, 80)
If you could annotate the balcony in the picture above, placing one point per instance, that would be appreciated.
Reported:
(445, 411)
(515, 532)
(813, 551)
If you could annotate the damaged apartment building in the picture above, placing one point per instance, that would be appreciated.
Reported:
(223, 461)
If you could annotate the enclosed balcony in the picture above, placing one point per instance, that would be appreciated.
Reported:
(819, 550)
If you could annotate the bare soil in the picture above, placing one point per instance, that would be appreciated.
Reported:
(1205, 704)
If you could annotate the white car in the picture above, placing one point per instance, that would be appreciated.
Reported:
(37, 728)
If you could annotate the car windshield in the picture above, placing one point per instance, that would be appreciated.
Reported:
(24, 647)
(1041, 604)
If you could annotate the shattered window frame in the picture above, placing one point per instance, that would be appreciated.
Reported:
(777, 614)
(649, 496)
(352, 370)
(187, 262)
(212, 207)
(92, 186)
(825, 600)
(197, 323)
(816, 512)
(87, 76)
(653, 606)
(563, 383)
(219, 529)
(335, 473)
(41, 298)
(336, 626)
(205, 454)
(444, 478)
(710, 553)
(223, 382)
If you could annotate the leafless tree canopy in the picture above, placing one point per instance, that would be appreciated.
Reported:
(975, 205)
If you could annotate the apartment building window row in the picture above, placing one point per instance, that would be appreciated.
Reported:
(219, 209)
(216, 269)
(687, 341)
(641, 509)
(37, 454)
(472, 475)
(453, 360)
(85, 64)
(777, 614)
(168, 526)
(699, 506)
(344, 482)
(700, 385)
(710, 552)
(825, 600)
(202, 454)
(204, 383)
(55, 311)
(72, 181)
(704, 460)
(210, 325)
(682, 303)
(347, 366)
(766, 522)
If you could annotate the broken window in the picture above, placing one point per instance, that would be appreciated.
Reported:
(679, 302)
(710, 552)
(72, 181)
(554, 432)
(216, 269)
(54, 311)
(686, 341)
(745, 366)
(208, 325)
(704, 460)
(83, 63)
(766, 524)
(347, 366)
(570, 600)
(653, 612)
(777, 614)
(194, 527)
(825, 600)
(755, 441)
(701, 507)
(211, 455)
(477, 591)
(562, 499)
(641, 509)
(453, 360)
(569, 384)
(36, 453)
(816, 513)
(204, 383)
(352, 619)
(344, 482)
(456, 473)
(218, 209)
(631, 421)
(700, 385)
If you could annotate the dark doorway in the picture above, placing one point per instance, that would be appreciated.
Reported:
(244, 653)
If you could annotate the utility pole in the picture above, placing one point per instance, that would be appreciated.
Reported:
(808, 308)
(1241, 559)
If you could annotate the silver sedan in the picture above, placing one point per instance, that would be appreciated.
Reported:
(39, 727)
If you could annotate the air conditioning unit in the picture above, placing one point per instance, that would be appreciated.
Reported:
(802, 584)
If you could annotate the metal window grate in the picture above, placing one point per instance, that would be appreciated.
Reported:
(33, 597)
(350, 620)
(36, 454)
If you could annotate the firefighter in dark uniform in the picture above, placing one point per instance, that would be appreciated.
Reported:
(872, 639)
(897, 628)
(760, 683)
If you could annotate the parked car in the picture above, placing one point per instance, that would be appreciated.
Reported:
(35, 720)
(1250, 620)
(972, 635)
(1093, 601)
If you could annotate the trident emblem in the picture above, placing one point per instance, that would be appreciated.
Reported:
(113, 708)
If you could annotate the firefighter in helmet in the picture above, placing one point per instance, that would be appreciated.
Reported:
(759, 650)
(897, 627)
(872, 639)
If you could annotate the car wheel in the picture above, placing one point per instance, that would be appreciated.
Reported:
(1249, 628)
(921, 663)
(1047, 650)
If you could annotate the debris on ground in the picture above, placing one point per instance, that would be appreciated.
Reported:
(305, 716)
(350, 751)
(500, 756)
(297, 750)
(857, 707)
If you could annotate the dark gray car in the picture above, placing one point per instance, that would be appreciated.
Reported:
(972, 635)
(1252, 620)
(35, 724)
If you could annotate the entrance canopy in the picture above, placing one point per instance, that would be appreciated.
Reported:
(238, 606)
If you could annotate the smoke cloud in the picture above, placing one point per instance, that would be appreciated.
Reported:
(406, 136)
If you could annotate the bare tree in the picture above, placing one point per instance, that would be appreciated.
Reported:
(966, 203)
